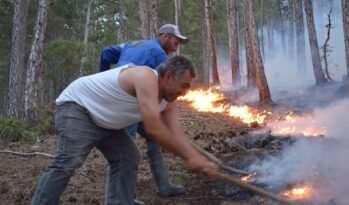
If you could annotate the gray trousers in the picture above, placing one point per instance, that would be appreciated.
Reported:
(77, 135)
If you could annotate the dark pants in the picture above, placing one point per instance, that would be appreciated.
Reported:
(77, 135)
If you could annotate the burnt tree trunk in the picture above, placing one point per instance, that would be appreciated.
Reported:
(143, 14)
(345, 13)
(314, 46)
(87, 28)
(300, 39)
(211, 44)
(154, 27)
(263, 88)
(35, 62)
(232, 10)
(291, 28)
(15, 100)
(177, 4)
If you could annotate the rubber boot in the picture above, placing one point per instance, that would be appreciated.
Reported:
(165, 187)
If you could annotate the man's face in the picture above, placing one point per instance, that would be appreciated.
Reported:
(176, 87)
(171, 44)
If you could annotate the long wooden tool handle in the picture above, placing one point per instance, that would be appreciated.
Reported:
(217, 161)
(254, 189)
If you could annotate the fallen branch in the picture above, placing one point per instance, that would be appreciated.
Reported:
(218, 161)
(27, 154)
(254, 189)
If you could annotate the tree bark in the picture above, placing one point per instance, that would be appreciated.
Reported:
(263, 88)
(122, 32)
(177, 4)
(35, 61)
(87, 28)
(154, 27)
(15, 103)
(345, 13)
(232, 10)
(143, 14)
(300, 39)
(314, 47)
(291, 28)
(211, 44)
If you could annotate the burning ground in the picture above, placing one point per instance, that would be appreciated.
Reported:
(296, 151)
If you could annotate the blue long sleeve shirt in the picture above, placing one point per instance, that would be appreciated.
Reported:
(139, 52)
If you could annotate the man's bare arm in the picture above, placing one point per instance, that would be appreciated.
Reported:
(147, 94)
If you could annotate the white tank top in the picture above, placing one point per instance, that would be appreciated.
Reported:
(108, 105)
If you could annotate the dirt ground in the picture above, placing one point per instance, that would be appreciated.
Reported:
(213, 132)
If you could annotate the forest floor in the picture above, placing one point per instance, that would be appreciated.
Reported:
(217, 133)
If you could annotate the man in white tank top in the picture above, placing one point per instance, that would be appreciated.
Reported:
(93, 112)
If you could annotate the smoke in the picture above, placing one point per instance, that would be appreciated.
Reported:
(321, 160)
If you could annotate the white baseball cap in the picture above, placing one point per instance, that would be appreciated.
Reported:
(173, 29)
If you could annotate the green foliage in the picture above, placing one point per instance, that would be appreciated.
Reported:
(14, 130)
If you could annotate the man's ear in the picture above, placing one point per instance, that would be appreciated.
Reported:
(168, 74)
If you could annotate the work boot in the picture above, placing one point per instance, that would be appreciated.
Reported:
(165, 187)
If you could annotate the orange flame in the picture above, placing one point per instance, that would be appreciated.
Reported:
(294, 125)
(249, 177)
(206, 101)
(300, 192)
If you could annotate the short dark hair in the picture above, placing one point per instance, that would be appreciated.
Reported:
(177, 65)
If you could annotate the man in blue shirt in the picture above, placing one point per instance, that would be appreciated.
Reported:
(151, 53)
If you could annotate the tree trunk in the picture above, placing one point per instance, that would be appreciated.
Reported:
(291, 29)
(281, 25)
(263, 88)
(35, 61)
(122, 32)
(177, 15)
(345, 13)
(232, 10)
(314, 47)
(15, 103)
(87, 28)
(300, 39)
(211, 44)
(154, 27)
(143, 14)
(205, 54)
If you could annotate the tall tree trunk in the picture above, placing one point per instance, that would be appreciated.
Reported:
(301, 60)
(291, 28)
(154, 27)
(15, 103)
(122, 31)
(263, 88)
(345, 13)
(87, 28)
(262, 30)
(232, 10)
(205, 53)
(270, 38)
(177, 4)
(143, 14)
(314, 47)
(35, 62)
(281, 25)
(211, 44)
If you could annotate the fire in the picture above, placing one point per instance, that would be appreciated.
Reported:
(245, 114)
(300, 192)
(295, 125)
(249, 177)
(206, 101)
(203, 101)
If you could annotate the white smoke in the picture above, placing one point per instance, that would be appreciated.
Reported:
(316, 159)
